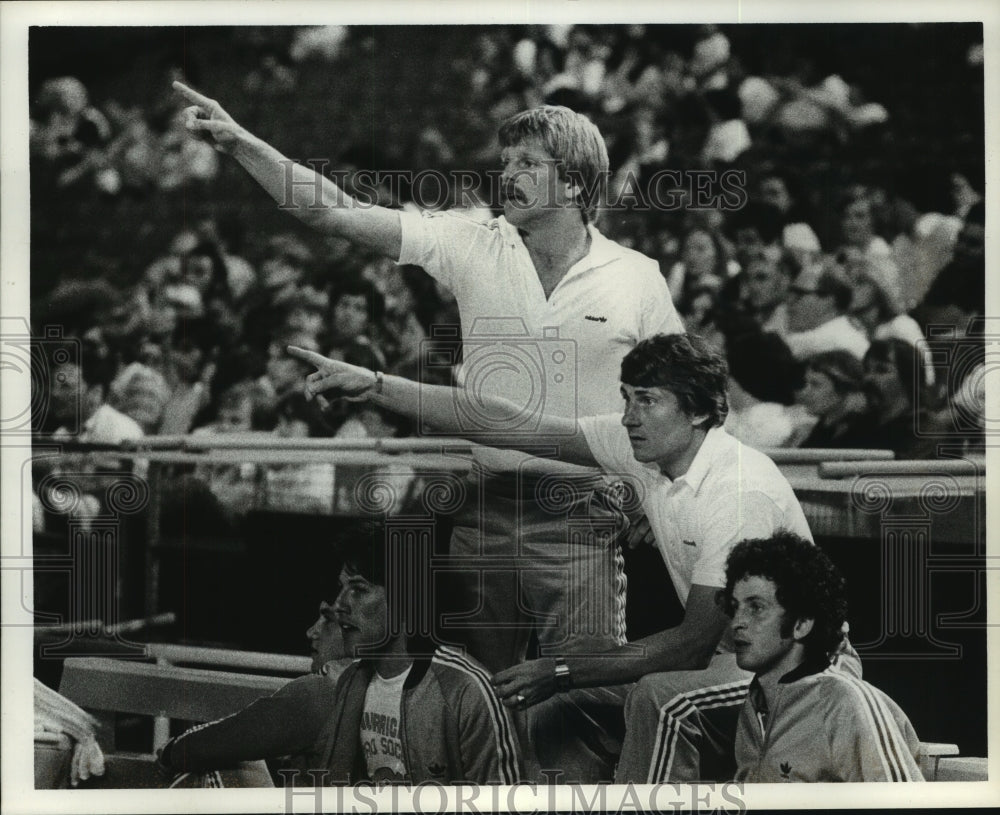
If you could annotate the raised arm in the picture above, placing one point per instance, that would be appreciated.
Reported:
(308, 195)
(442, 408)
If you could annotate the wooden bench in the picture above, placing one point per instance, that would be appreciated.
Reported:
(930, 754)
(225, 658)
(941, 762)
(818, 455)
(921, 468)
(106, 687)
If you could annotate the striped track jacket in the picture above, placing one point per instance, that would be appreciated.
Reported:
(826, 725)
(453, 728)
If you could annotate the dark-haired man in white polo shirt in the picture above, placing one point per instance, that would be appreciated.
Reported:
(549, 307)
(702, 491)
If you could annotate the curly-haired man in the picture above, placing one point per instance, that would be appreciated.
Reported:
(805, 720)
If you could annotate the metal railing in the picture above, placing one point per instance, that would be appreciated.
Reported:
(828, 482)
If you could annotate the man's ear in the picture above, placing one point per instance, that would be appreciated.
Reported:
(573, 191)
(802, 627)
(698, 420)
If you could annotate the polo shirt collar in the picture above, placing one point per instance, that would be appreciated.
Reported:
(702, 461)
(602, 250)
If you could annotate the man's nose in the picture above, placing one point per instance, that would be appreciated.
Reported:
(739, 620)
(629, 419)
(341, 605)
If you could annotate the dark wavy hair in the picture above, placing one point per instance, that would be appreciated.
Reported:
(807, 585)
(687, 367)
(361, 543)
(391, 557)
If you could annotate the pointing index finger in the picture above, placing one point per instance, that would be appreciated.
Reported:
(307, 356)
(192, 95)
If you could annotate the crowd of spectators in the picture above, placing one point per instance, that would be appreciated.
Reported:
(823, 318)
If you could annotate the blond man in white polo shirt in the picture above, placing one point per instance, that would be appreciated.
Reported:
(702, 490)
(548, 306)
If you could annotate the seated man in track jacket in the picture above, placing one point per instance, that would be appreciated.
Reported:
(803, 720)
(403, 712)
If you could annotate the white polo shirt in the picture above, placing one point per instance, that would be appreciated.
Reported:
(729, 493)
(559, 355)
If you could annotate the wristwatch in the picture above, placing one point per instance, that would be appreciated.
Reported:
(563, 680)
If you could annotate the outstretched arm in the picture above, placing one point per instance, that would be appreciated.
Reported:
(286, 723)
(443, 408)
(688, 646)
(308, 195)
